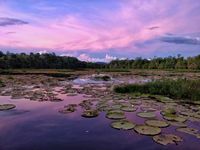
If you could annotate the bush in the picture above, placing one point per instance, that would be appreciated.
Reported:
(177, 89)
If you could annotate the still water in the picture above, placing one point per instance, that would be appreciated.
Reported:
(34, 125)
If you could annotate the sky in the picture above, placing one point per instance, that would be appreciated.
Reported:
(101, 30)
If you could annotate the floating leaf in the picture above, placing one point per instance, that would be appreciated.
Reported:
(157, 123)
(190, 131)
(177, 124)
(128, 108)
(165, 139)
(147, 130)
(148, 109)
(146, 114)
(90, 113)
(6, 107)
(115, 114)
(171, 117)
(123, 124)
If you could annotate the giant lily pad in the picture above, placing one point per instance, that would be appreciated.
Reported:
(161, 98)
(128, 108)
(116, 106)
(168, 111)
(171, 117)
(146, 114)
(123, 124)
(115, 114)
(6, 107)
(177, 124)
(157, 123)
(165, 139)
(90, 113)
(147, 130)
(148, 109)
(190, 131)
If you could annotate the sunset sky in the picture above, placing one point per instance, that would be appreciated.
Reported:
(101, 30)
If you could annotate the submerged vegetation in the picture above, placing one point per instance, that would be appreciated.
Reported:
(177, 89)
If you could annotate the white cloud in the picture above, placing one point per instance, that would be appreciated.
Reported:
(43, 52)
(68, 54)
(87, 58)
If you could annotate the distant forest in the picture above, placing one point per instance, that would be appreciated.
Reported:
(170, 62)
(52, 61)
(43, 61)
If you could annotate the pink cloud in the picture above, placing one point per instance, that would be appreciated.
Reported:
(119, 29)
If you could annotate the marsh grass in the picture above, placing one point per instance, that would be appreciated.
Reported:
(177, 89)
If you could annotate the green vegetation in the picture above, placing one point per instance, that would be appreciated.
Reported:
(178, 63)
(52, 61)
(42, 61)
(177, 89)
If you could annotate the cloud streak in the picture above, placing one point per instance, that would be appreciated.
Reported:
(11, 21)
(181, 40)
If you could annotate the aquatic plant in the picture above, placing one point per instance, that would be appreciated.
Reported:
(147, 130)
(146, 114)
(177, 124)
(176, 89)
(191, 131)
(165, 139)
(90, 113)
(123, 125)
(128, 108)
(115, 114)
(6, 107)
(157, 123)
(68, 109)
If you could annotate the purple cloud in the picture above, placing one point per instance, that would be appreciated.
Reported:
(181, 39)
(11, 21)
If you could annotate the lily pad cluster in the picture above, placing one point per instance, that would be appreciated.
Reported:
(101, 99)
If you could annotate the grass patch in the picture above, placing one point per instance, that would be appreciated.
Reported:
(176, 89)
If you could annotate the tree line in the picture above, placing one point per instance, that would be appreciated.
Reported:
(178, 62)
(52, 61)
(42, 61)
